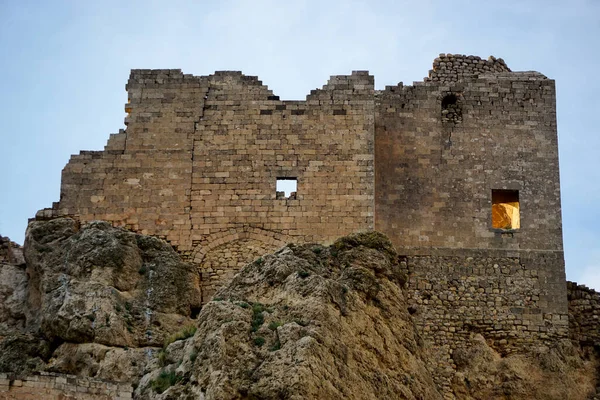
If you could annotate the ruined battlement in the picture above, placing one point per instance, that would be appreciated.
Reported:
(455, 67)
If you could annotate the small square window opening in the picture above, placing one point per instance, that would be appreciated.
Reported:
(286, 188)
(505, 209)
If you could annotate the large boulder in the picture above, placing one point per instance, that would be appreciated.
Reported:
(308, 322)
(102, 362)
(106, 285)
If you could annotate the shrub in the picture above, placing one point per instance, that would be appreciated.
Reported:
(257, 316)
(187, 332)
(274, 325)
(259, 341)
(276, 346)
(303, 274)
(164, 381)
(162, 357)
(243, 304)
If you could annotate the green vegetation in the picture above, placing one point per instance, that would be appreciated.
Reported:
(164, 381)
(142, 270)
(187, 332)
(274, 325)
(276, 346)
(162, 357)
(257, 316)
(303, 274)
(259, 341)
(243, 304)
(194, 355)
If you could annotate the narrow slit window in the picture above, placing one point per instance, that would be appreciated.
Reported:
(505, 209)
(286, 188)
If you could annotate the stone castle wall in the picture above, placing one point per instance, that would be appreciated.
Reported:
(50, 386)
(434, 177)
(200, 158)
(442, 147)
(584, 315)
(454, 67)
(199, 161)
(505, 297)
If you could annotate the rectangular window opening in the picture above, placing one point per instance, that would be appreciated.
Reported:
(286, 188)
(505, 209)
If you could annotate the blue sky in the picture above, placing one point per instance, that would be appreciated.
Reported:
(64, 65)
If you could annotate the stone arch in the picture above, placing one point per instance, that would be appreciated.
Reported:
(221, 255)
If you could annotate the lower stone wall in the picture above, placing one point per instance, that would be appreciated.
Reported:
(222, 262)
(50, 386)
(510, 298)
(584, 314)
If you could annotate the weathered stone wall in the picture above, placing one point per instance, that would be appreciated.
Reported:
(441, 147)
(434, 179)
(50, 386)
(504, 296)
(454, 67)
(584, 314)
(201, 155)
(199, 161)
(222, 262)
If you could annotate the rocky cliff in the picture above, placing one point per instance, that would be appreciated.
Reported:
(306, 322)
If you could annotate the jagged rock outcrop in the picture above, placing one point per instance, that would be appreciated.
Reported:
(307, 322)
(106, 285)
(13, 287)
(92, 300)
(557, 373)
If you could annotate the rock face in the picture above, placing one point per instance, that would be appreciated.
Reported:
(307, 322)
(13, 287)
(106, 285)
(543, 373)
(92, 300)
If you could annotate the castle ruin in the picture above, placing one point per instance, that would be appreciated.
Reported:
(460, 171)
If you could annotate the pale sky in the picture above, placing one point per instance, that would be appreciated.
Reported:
(64, 65)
